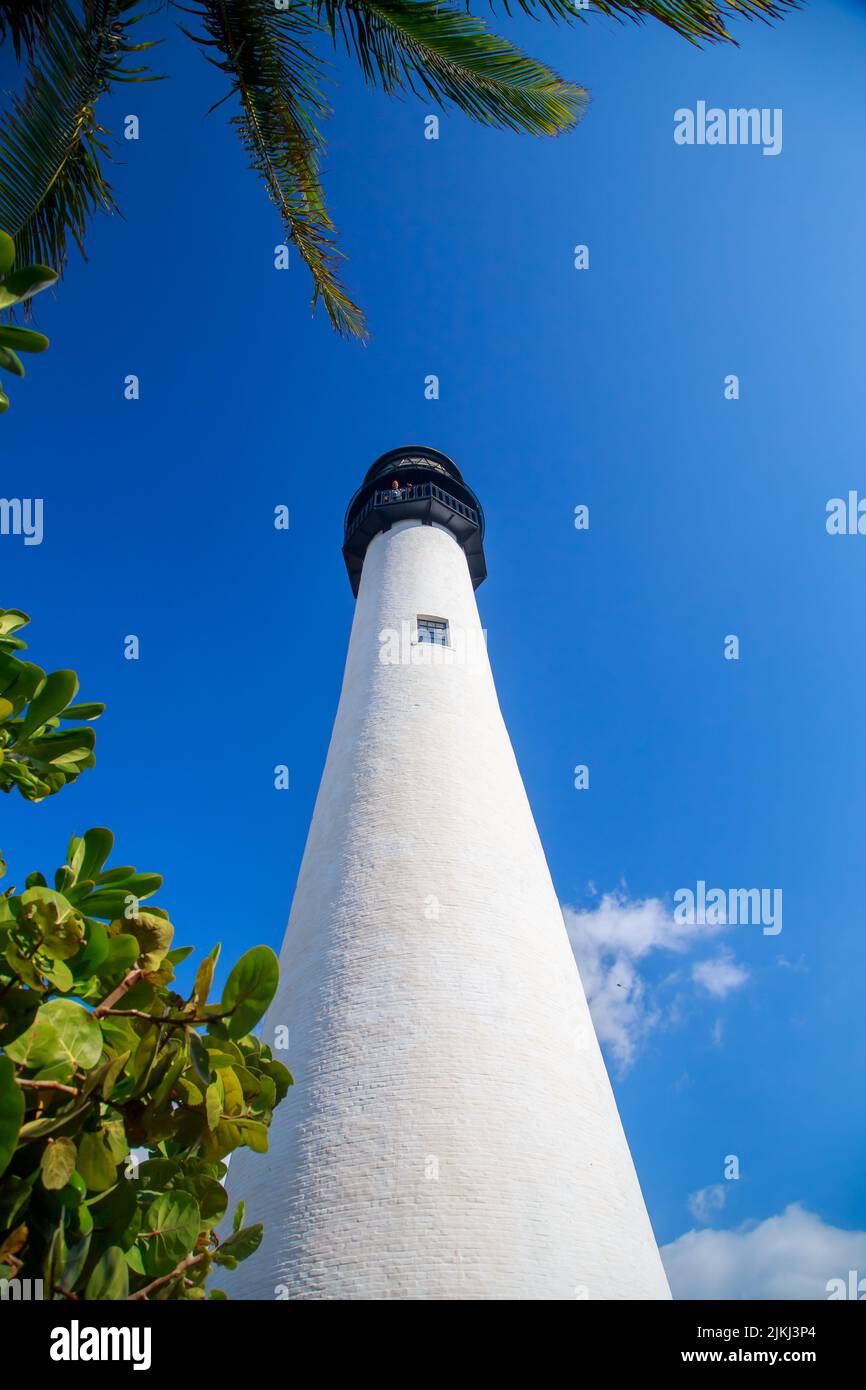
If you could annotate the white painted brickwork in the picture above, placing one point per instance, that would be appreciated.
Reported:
(452, 1132)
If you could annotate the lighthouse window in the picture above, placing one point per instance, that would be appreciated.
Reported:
(433, 630)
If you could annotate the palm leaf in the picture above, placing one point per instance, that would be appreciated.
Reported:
(276, 77)
(51, 147)
(24, 22)
(695, 20)
(451, 56)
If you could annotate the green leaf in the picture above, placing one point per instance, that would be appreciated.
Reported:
(110, 1277)
(62, 930)
(15, 1194)
(85, 1220)
(210, 1195)
(118, 875)
(22, 339)
(250, 1132)
(222, 1052)
(238, 1219)
(143, 886)
(17, 1011)
(55, 1258)
(24, 283)
(12, 363)
(57, 690)
(61, 1031)
(114, 1130)
(59, 975)
(139, 1069)
(7, 253)
(58, 1163)
(96, 1164)
(170, 1231)
(117, 1215)
(280, 1075)
(240, 1246)
(107, 902)
(204, 978)
(113, 1072)
(11, 1111)
(61, 747)
(213, 1104)
(158, 1173)
(113, 900)
(249, 990)
(189, 1093)
(265, 1097)
(75, 854)
(94, 952)
(88, 711)
(50, 1124)
(199, 1058)
(74, 1193)
(154, 936)
(121, 956)
(177, 1052)
(98, 844)
(23, 967)
(233, 1095)
(62, 1071)
(76, 1259)
(12, 620)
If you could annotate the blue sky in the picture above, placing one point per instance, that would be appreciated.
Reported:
(557, 387)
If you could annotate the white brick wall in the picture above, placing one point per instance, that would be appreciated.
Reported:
(452, 1133)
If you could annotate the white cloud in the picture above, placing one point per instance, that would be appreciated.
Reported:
(798, 966)
(790, 1256)
(720, 975)
(707, 1201)
(609, 940)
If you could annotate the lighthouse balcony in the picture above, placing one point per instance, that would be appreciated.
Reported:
(423, 501)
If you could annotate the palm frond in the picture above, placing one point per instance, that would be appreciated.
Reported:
(699, 21)
(451, 56)
(51, 147)
(276, 79)
(23, 21)
(552, 9)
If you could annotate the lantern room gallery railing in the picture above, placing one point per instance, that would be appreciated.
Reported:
(411, 492)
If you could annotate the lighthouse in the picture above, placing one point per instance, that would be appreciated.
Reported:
(452, 1132)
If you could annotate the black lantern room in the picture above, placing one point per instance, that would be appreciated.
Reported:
(419, 483)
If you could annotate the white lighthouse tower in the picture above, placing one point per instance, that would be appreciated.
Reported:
(452, 1133)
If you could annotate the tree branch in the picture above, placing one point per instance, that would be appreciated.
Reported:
(190, 1022)
(47, 1086)
(157, 1283)
(154, 1018)
(126, 984)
